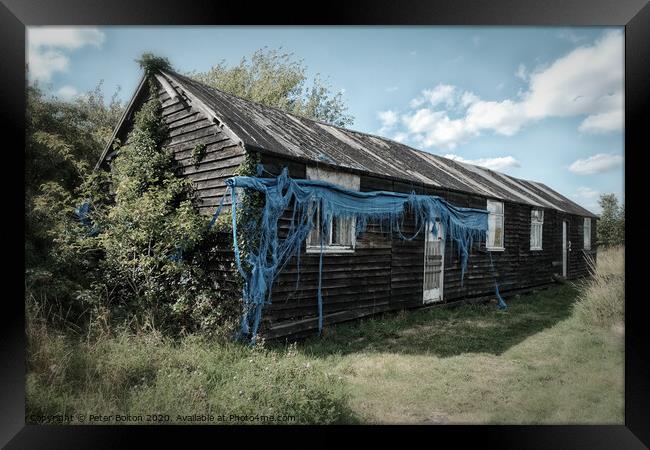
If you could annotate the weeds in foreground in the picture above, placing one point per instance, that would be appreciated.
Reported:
(553, 357)
(601, 301)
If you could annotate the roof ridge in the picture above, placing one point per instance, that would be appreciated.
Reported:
(260, 104)
(349, 130)
(390, 142)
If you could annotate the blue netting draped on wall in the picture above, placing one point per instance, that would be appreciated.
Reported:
(270, 251)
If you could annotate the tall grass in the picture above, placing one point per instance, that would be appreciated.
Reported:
(602, 296)
(548, 359)
(148, 374)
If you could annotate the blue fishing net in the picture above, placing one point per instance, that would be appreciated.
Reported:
(271, 252)
(82, 214)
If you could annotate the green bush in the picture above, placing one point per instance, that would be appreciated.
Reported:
(156, 249)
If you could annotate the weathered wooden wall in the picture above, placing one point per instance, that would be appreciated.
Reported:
(187, 128)
(385, 273)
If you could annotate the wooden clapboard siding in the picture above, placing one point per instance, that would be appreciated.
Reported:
(188, 127)
(350, 281)
(386, 273)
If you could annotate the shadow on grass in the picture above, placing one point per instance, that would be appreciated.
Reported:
(448, 331)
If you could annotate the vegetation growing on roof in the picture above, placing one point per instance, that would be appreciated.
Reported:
(151, 63)
(146, 263)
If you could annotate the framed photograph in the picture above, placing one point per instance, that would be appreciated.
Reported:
(241, 217)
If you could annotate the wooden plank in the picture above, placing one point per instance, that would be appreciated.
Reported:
(193, 136)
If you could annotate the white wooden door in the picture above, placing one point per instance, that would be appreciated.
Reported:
(564, 248)
(434, 250)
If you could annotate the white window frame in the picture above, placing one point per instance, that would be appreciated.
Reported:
(536, 223)
(328, 246)
(348, 181)
(502, 216)
(586, 236)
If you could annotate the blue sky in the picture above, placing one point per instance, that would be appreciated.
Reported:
(538, 103)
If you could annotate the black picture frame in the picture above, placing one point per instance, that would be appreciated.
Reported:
(634, 15)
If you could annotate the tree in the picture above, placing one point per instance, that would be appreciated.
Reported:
(276, 79)
(63, 142)
(611, 225)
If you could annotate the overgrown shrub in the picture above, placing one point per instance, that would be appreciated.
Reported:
(156, 248)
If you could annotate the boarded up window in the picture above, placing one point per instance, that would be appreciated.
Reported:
(536, 224)
(495, 225)
(340, 234)
(587, 234)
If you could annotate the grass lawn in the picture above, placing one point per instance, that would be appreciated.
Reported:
(534, 363)
(554, 356)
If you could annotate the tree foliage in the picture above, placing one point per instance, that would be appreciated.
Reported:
(611, 224)
(277, 79)
(63, 142)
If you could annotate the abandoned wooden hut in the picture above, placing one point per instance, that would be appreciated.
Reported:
(535, 235)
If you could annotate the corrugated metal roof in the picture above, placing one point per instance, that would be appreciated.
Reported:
(289, 135)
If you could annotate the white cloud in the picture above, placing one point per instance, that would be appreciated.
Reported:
(603, 122)
(504, 117)
(587, 82)
(434, 128)
(468, 98)
(570, 36)
(392, 88)
(599, 163)
(588, 197)
(63, 37)
(441, 94)
(43, 63)
(498, 163)
(522, 72)
(587, 193)
(49, 48)
(416, 102)
(388, 120)
(67, 92)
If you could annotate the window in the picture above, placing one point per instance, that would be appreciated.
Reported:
(587, 234)
(536, 224)
(340, 235)
(495, 225)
